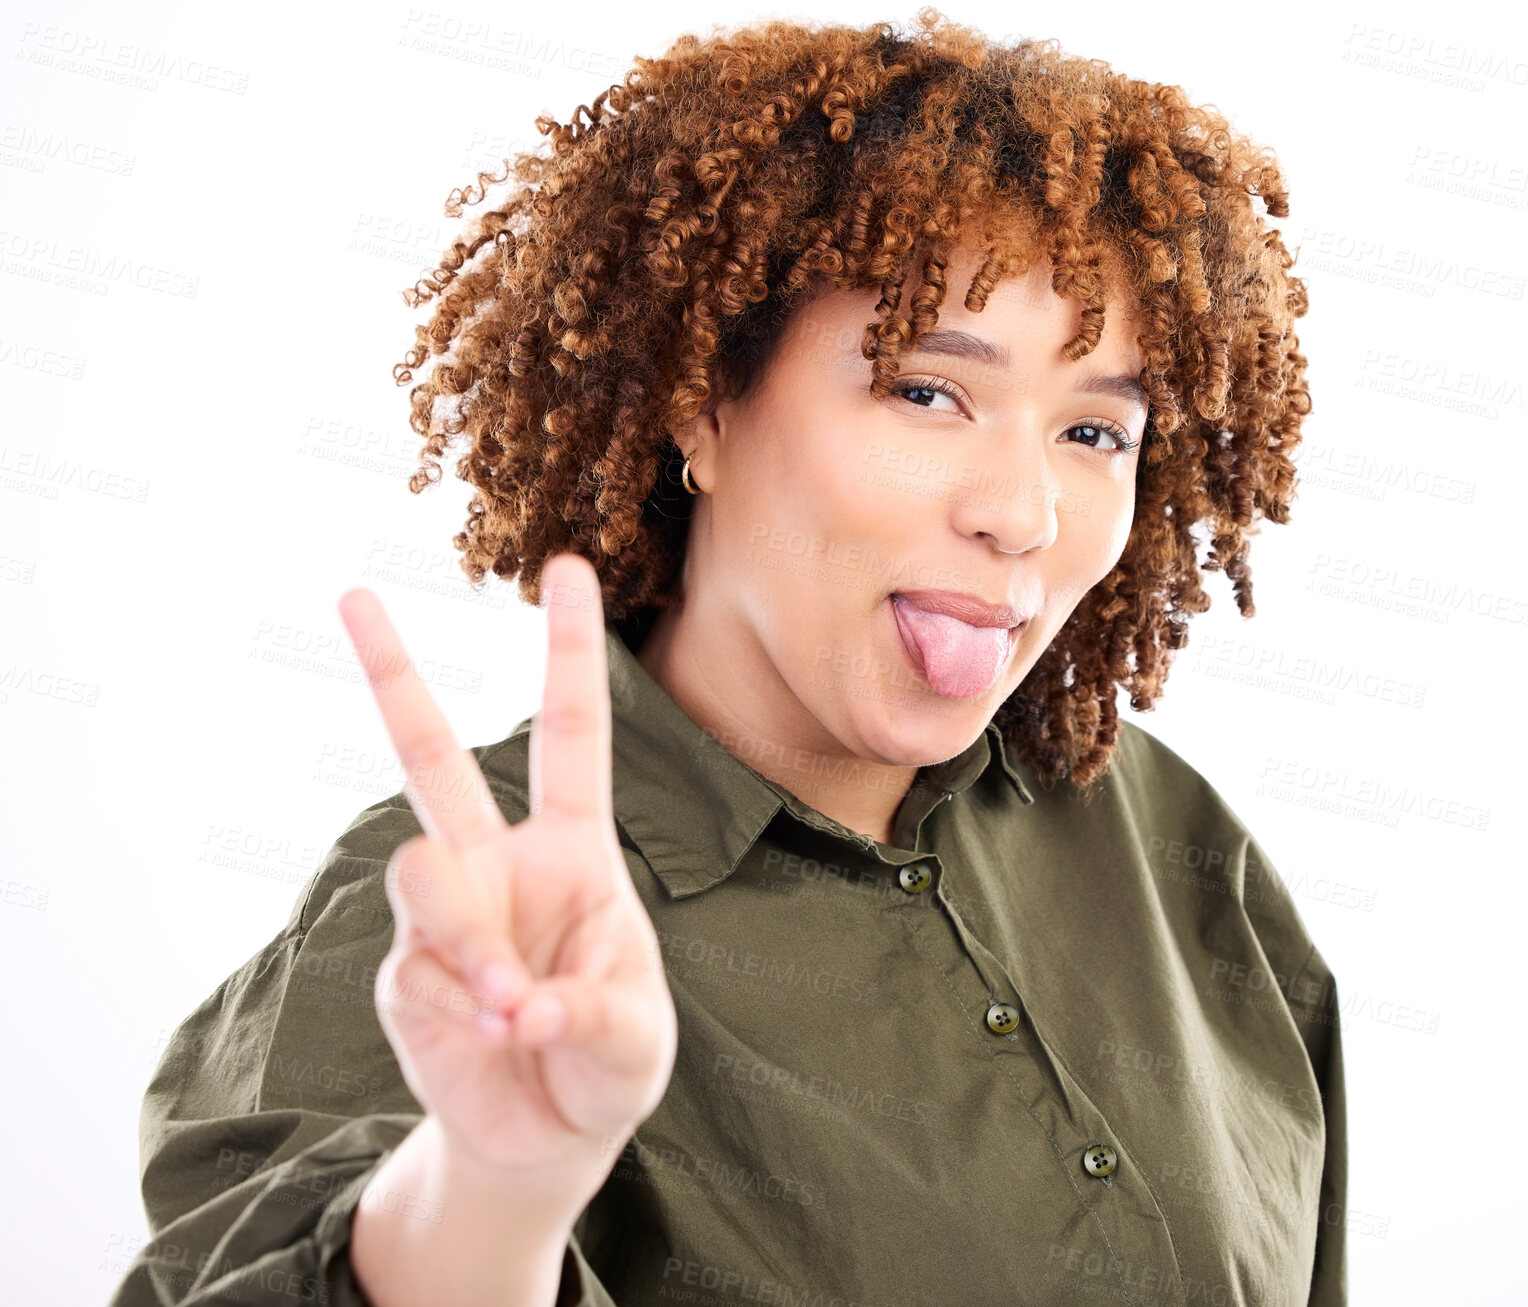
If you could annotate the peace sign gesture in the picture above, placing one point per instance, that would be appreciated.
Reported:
(524, 994)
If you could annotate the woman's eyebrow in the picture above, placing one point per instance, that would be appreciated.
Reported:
(962, 344)
(1122, 385)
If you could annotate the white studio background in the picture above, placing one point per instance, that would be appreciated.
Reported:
(208, 216)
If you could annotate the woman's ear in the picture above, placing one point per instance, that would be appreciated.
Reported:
(699, 438)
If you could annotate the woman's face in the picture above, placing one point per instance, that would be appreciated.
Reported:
(822, 505)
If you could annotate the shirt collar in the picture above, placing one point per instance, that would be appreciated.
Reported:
(693, 807)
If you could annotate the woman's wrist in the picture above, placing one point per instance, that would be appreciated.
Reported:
(478, 1234)
(560, 1190)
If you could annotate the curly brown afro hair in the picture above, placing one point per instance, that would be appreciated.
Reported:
(645, 269)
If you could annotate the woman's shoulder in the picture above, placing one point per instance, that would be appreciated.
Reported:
(1150, 770)
(1170, 797)
(1194, 837)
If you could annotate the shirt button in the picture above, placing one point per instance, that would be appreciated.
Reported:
(916, 877)
(1002, 1017)
(1099, 1160)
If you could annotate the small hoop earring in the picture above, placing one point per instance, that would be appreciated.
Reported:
(685, 477)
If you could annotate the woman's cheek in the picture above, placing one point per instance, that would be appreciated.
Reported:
(1094, 528)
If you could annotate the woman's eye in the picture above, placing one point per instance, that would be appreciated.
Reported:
(925, 394)
(1097, 433)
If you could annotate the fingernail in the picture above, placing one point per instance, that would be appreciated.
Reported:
(502, 982)
(493, 1021)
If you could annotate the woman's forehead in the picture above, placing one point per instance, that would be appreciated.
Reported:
(1010, 305)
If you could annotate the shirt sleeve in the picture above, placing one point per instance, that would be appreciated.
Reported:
(276, 1101)
(1310, 990)
(1320, 1028)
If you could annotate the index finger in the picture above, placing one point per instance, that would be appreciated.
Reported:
(444, 785)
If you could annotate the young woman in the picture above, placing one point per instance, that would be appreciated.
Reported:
(857, 404)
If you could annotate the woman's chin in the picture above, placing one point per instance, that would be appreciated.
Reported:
(923, 733)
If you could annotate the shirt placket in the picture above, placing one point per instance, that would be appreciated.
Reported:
(1130, 1251)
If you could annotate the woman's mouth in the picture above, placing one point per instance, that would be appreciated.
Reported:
(956, 658)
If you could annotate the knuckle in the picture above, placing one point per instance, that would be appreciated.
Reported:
(568, 718)
(593, 1016)
(429, 745)
(466, 944)
(410, 854)
(389, 988)
(406, 872)
(558, 808)
(407, 985)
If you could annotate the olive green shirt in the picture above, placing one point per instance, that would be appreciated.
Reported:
(1044, 1050)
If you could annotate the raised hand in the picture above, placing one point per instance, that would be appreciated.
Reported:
(523, 994)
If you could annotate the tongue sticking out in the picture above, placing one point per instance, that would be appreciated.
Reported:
(958, 659)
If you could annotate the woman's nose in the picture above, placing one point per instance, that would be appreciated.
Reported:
(1014, 503)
